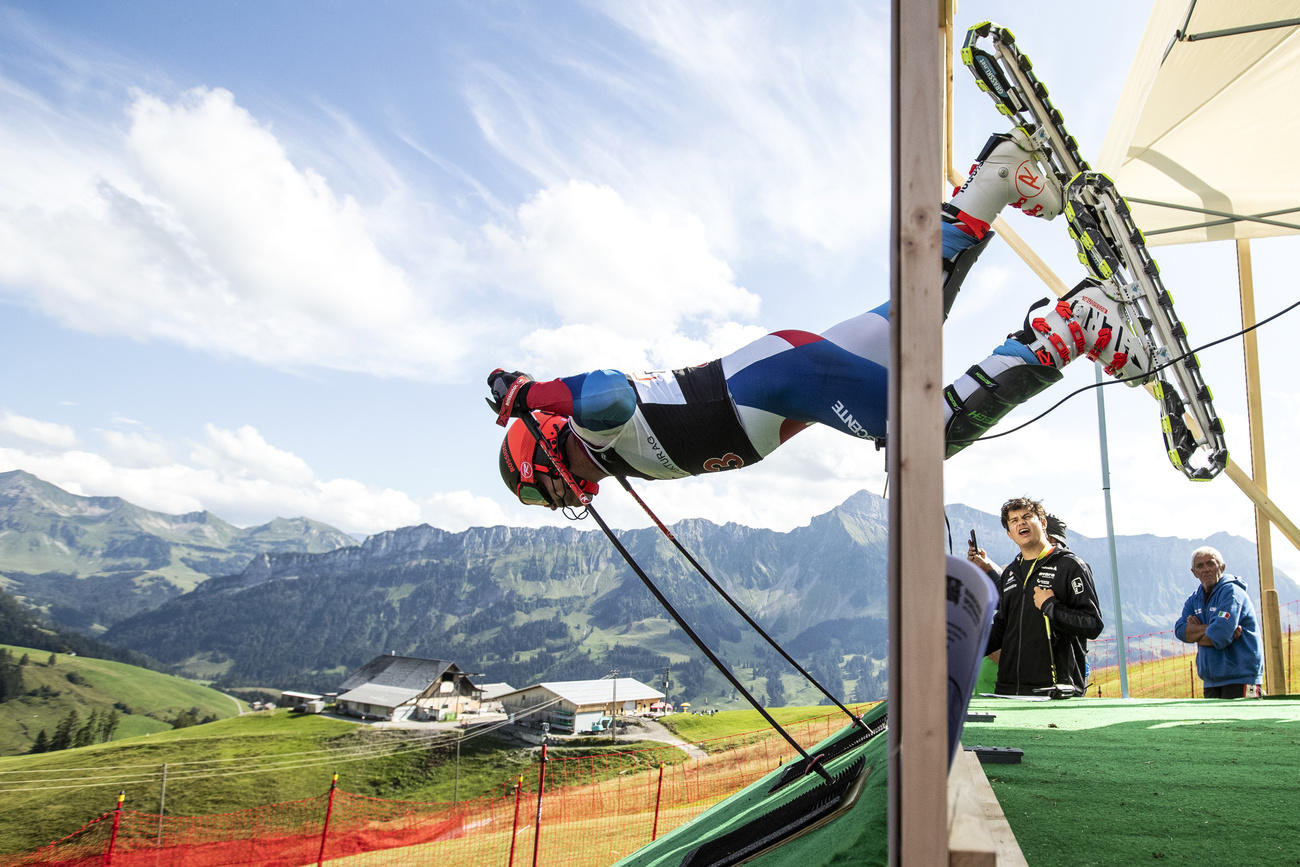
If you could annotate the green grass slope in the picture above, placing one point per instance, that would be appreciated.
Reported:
(260, 758)
(718, 730)
(143, 698)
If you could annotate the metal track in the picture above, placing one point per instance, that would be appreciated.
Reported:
(1111, 246)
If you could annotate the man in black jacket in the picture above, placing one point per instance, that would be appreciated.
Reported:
(1047, 609)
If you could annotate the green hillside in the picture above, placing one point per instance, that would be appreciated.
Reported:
(144, 700)
(259, 758)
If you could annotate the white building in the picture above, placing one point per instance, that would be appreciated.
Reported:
(579, 705)
(407, 687)
(490, 700)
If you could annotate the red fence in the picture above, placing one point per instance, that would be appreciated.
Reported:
(573, 811)
(582, 816)
(1161, 666)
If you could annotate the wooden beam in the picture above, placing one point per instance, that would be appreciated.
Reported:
(979, 834)
(1261, 500)
(918, 676)
(1270, 616)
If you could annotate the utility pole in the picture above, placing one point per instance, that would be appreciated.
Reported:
(613, 722)
(162, 804)
(455, 792)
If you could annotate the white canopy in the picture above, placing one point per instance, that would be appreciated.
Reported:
(1208, 122)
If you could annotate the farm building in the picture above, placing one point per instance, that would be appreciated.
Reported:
(492, 692)
(579, 705)
(408, 687)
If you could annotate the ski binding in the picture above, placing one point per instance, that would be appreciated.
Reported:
(1112, 248)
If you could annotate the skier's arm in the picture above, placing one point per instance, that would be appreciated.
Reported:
(602, 400)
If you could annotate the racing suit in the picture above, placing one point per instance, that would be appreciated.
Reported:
(733, 411)
(1043, 648)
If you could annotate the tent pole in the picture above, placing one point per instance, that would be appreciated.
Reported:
(1270, 616)
(1122, 657)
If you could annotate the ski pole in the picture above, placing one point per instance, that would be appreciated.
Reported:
(558, 465)
(735, 606)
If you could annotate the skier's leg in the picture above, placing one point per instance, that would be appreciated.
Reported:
(1006, 172)
(784, 381)
(787, 380)
(1084, 323)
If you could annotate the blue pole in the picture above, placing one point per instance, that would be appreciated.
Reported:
(1110, 538)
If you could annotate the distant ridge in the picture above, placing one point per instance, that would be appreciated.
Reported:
(522, 605)
(87, 562)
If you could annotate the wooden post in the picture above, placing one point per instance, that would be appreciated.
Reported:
(162, 805)
(514, 829)
(659, 791)
(918, 750)
(455, 792)
(541, 785)
(1270, 617)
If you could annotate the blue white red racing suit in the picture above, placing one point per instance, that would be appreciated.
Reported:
(736, 410)
(731, 412)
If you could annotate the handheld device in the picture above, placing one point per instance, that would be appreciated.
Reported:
(974, 546)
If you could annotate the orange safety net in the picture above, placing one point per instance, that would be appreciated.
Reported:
(588, 813)
(592, 810)
(1161, 666)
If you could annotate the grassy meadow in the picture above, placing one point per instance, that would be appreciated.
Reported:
(263, 758)
(144, 699)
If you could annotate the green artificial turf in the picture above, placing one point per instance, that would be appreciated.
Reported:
(1102, 781)
(1183, 781)
(855, 836)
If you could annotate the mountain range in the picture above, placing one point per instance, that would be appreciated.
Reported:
(87, 562)
(522, 605)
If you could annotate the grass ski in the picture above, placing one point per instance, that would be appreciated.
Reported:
(1111, 246)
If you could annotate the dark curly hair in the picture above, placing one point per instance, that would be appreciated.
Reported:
(1021, 504)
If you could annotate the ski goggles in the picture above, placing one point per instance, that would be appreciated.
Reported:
(532, 495)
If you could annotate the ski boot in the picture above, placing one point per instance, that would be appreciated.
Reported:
(1089, 321)
(1006, 172)
(1085, 323)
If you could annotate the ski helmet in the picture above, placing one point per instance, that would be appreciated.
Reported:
(1055, 530)
(522, 458)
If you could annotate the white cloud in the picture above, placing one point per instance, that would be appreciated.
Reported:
(621, 279)
(245, 453)
(134, 449)
(197, 226)
(759, 124)
(239, 476)
(42, 432)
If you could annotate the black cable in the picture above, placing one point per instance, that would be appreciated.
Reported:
(735, 606)
(564, 473)
(1136, 376)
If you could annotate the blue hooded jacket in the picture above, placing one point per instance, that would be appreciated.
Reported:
(1226, 607)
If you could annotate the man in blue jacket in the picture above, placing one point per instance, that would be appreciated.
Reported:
(1219, 619)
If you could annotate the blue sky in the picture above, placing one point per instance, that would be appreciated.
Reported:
(259, 257)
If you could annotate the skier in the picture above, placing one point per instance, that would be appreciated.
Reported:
(733, 411)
